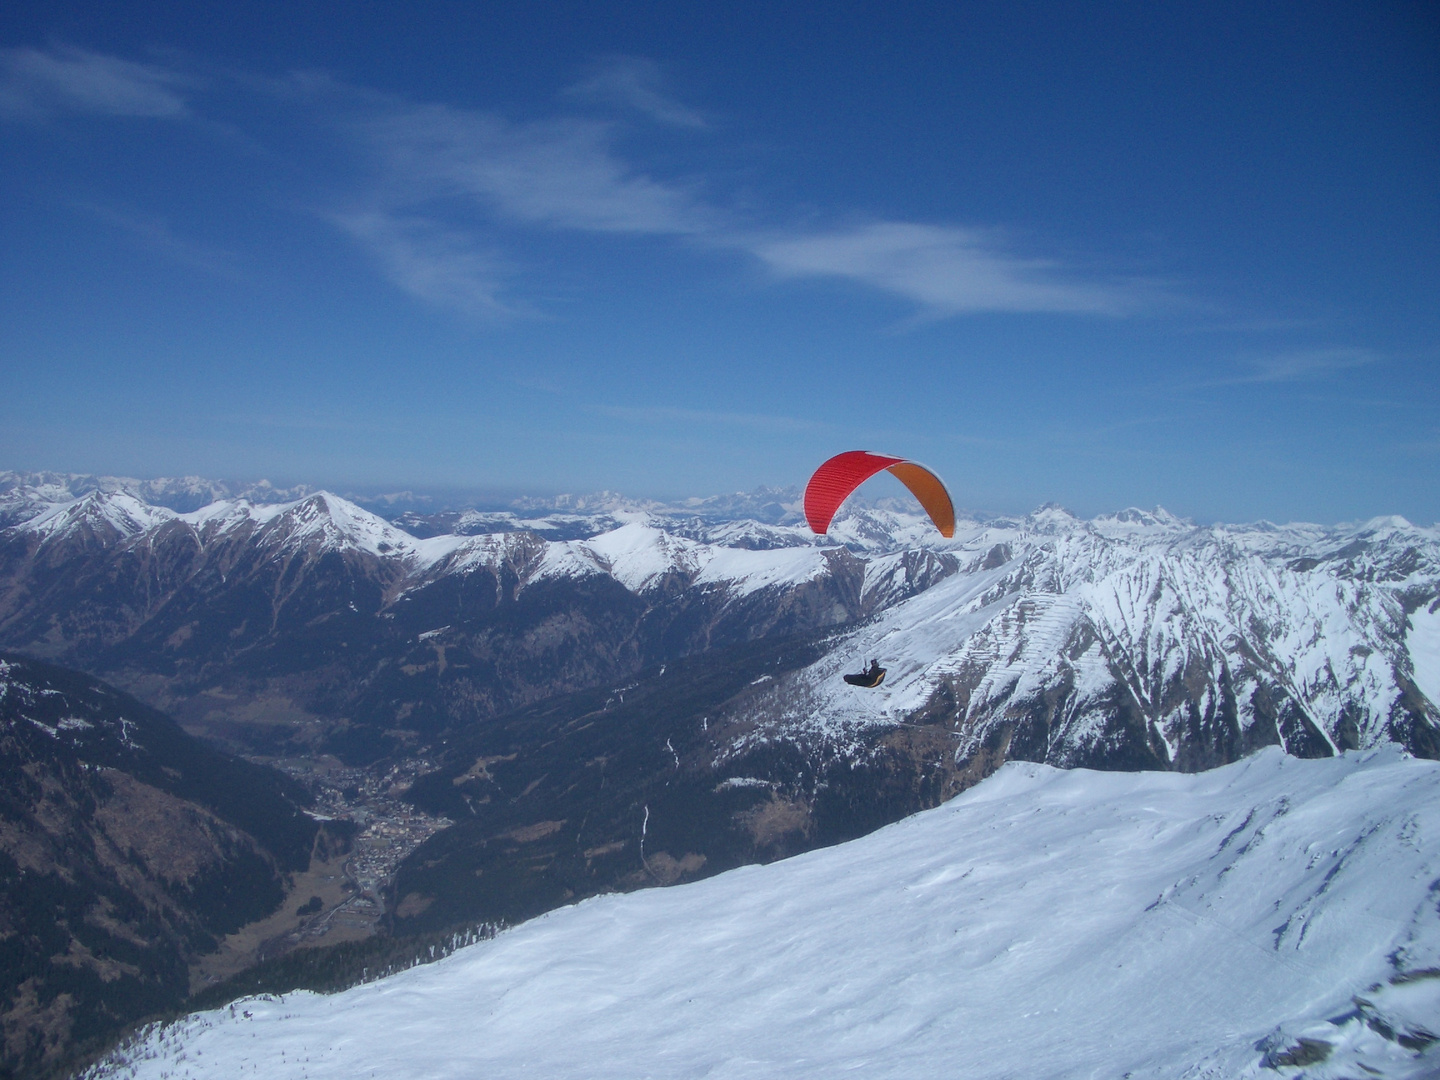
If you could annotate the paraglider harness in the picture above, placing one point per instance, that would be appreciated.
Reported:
(871, 677)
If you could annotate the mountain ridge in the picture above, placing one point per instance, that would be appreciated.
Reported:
(1135, 640)
(1090, 590)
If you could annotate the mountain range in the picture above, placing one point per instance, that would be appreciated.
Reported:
(585, 695)
(612, 694)
(1134, 638)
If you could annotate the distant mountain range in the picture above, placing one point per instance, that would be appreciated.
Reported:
(22, 492)
(619, 694)
(1130, 642)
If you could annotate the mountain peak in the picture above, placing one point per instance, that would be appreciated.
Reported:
(1386, 523)
(1051, 517)
(335, 523)
(106, 516)
(1133, 518)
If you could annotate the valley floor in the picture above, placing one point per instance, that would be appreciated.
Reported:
(1276, 912)
(342, 895)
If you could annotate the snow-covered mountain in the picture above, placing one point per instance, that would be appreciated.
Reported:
(1130, 642)
(1138, 640)
(320, 609)
(609, 695)
(23, 495)
(1274, 917)
(1133, 640)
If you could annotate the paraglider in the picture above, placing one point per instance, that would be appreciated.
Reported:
(837, 478)
(872, 677)
(833, 483)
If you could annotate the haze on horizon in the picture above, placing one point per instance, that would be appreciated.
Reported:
(1129, 256)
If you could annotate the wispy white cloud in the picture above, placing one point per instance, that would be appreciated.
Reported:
(39, 84)
(560, 173)
(156, 234)
(439, 183)
(635, 83)
(1304, 365)
(1309, 364)
(567, 174)
(944, 269)
(443, 179)
(442, 266)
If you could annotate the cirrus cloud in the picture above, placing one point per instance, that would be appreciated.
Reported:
(635, 83)
(559, 173)
(437, 186)
(441, 266)
(946, 270)
(36, 85)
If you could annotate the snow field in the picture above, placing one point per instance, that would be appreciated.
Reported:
(1044, 924)
(1423, 643)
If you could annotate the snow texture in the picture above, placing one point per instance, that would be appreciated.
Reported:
(1044, 924)
(1423, 641)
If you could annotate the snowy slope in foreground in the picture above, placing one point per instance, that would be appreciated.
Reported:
(1045, 923)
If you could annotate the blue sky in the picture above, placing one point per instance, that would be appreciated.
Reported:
(1103, 255)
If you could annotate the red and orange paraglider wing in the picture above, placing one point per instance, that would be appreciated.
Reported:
(837, 478)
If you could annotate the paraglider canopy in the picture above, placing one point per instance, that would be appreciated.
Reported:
(837, 478)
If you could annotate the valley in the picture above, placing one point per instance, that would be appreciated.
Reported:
(368, 830)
